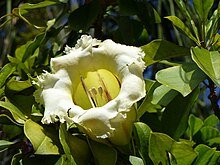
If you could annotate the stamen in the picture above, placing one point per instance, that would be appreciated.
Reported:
(87, 92)
(108, 96)
(100, 90)
(94, 91)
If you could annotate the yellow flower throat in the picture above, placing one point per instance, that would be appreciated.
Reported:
(96, 88)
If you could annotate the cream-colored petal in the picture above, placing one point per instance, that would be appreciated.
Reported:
(114, 120)
(57, 97)
(103, 123)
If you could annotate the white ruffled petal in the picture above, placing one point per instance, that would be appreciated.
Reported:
(114, 120)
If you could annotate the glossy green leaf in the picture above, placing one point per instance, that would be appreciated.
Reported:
(163, 95)
(66, 160)
(182, 5)
(103, 154)
(158, 50)
(32, 46)
(159, 146)
(183, 153)
(18, 85)
(213, 24)
(208, 61)
(5, 144)
(135, 160)
(212, 121)
(146, 105)
(23, 102)
(183, 78)
(25, 54)
(202, 8)
(217, 40)
(13, 109)
(21, 67)
(213, 141)
(175, 117)
(5, 72)
(72, 145)
(182, 27)
(194, 125)
(28, 6)
(42, 141)
(142, 135)
(5, 119)
(206, 133)
(2, 92)
(206, 155)
(83, 17)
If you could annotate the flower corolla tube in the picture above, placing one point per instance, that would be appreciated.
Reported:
(95, 85)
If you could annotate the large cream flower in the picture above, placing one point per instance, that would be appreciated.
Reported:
(95, 85)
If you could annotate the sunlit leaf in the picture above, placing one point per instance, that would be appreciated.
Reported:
(5, 72)
(5, 144)
(213, 141)
(213, 24)
(66, 160)
(25, 54)
(13, 109)
(206, 155)
(32, 46)
(194, 125)
(183, 78)
(158, 50)
(182, 5)
(159, 146)
(182, 27)
(202, 8)
(135, 160)
(5, 119)
(212, 121)
(28, 6)
(163, 95)
(206, 133)
(42, 141)
(18, 85)
(183, 153)
(208, 62)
